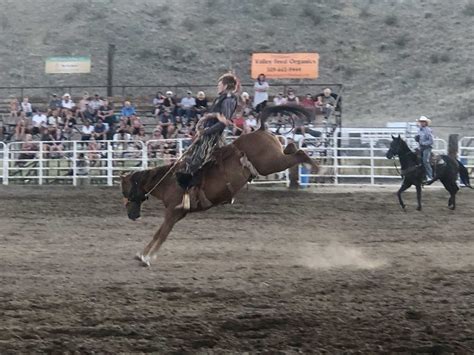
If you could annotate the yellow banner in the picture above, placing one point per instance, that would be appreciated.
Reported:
(286, 65)
(68, 65)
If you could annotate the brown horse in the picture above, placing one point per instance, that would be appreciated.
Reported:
(259, 152)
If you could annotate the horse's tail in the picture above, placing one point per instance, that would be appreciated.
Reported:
(283, 109)
(464, 175)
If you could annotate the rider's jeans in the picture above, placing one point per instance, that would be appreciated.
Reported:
(425, 157)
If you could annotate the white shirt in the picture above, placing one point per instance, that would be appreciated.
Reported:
(26, 107)
(279, 100)
(39, 120)
(260, 96)
(124, 137)
(188, 102)
(68, 104)
(54, 120)
(251, 122)
(87, 129)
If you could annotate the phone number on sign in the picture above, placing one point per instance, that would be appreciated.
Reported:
(282, 70)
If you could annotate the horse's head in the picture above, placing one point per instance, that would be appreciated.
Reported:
(133, 194)
(395, 147)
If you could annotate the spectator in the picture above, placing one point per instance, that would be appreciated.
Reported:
(246, 103)
(261, 93)
(54, 104)
(26, 107)
(201, 104)
(86, 131)
(170, 102)
(82, 105)
(70, 121)
(279, 99)
(136, 124)
(186, 107)
(308, 102)
(39, 120)
(140, 137)
(327, 102)
(158, 103)
(21, 127)
(127, 109)
(240, 126)
(155, 145)
(166, 120)
(106, 113)
(82, 168)
(251, 122)
(292, 98)
(14, 106)
(122, 138)
(28, 149)
(67, 103)
(54, 119)
(100, 131)
(96, 102)
(90, 114)
(53, 139)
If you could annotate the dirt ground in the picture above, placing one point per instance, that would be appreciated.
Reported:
(330, 271)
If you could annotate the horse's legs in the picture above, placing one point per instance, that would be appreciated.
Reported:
(283, 162)
(172, 216)
(405, 185)
(418, 196)
(453, 189)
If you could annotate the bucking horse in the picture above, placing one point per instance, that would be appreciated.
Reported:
(232, 167)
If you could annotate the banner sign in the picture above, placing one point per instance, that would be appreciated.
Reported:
(286, 65)
(68, 65)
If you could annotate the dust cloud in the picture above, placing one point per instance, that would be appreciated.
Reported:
(336, 255)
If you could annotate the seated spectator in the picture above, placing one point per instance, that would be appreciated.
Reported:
(327, 102)
(122, 138)
(166, 120)
(39, 120)
(106, 113)
(69, 120)
(280, 99)
(29, 149)
(26, 107)
(292, 98)
(21, 128)
(251, 123)
(308, 102)
(155, 145)
(127, 109)
(54, 119)
(170, 147)
(67, 103)
(158, 103)
(186, 107)
(100, 131)
(240, 126)
(54, 104)
(87, 131)
(136, 124)
(90, 114)
(53, 140)
(82, 105)
(14, 106)
(201, 104)
(170, 103)
(96, 102)
(246, 103)
(140, 137)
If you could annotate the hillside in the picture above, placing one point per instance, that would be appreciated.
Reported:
(397, 59)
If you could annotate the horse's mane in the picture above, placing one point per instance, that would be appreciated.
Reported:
(142, 178)
(283, 109)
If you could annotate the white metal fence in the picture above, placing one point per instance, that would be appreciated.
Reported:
(348, 159)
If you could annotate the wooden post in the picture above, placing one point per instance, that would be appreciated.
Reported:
(294, 177)
(453, 146)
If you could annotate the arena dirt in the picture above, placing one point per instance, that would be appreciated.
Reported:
(336, 270)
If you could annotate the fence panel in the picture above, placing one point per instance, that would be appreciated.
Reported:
(466, 153)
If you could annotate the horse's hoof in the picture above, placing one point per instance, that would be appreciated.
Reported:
(145, 260)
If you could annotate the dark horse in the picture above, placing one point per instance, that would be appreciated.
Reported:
(445, 169)
(259, 152)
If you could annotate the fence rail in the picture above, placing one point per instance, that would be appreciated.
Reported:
(345, 160)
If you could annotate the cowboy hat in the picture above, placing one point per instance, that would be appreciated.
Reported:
(424, 119)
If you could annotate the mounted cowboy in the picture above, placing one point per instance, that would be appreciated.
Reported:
(425, 140)
(209, 131)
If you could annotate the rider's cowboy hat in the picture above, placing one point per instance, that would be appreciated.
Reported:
(424, 119)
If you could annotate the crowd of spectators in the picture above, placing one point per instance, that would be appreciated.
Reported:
(94, 119)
